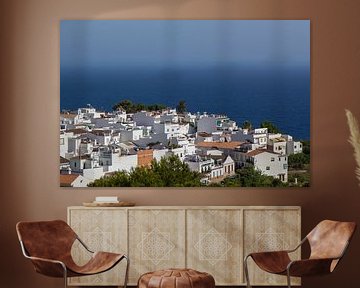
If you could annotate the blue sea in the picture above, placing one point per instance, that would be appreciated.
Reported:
(280, 95)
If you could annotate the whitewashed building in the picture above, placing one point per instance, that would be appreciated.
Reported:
(179, 151)
(257, 136)
(145, 118)
(87, 113)
(112, 161)
(204, 137)
(103, 137)
(73, 180)
(68, 120)
(294, 147)
(78, 163)
(169, 115)
(268, 163)
(64, 143)
(120, 115)
(160, 153)
(199, 164)
(133, 134)
(229, 166)
(278, 145)
(212, 123)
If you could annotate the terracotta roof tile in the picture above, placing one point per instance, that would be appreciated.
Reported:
(220, 145)
(77, 131)
(204, 134)
(67, 179)
(256, 152)
(63, 160)
(259, 151)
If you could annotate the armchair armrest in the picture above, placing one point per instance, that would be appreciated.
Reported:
(298, 246)
(309, 267)
(314, 266)
(49, 267)
(83, 244)
(280, 252)
(271, 261)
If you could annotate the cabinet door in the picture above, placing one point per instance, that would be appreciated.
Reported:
(101, 230)
(270, 230)
(156, 240)
(214, 244)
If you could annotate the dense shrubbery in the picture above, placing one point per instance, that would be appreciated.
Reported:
(131, 107)
(249, 177)
(302, 179)
(171, 172)
(168, 172)
(306, 147)
(300, 160)
(181, 107)
(270, 126)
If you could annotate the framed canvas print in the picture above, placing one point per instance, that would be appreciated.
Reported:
(185, 103)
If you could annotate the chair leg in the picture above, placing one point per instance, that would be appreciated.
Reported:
(246, 270)
(65, 276)
(288, 278)
(126, 271)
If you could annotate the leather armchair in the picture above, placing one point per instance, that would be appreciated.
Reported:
(328, 242)
(48, 245)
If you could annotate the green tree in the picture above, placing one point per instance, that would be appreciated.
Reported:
(271, 127)
(138, 107)
(250, 177)
(168, 172)
(118, 179)
(175, 173)
(302, 179)
(181, 107)
(306, 146)
(124, 104)
(144, 177)
(155, 107)
(131, 107)
(215, 184)
(232, 181)
(246, 125)
(298, 161)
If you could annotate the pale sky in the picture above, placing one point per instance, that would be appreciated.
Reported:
(178, 43)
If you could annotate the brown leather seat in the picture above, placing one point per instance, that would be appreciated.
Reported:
(176, 278)
(48, 245)
(328, 242)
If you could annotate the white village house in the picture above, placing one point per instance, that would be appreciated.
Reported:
(94, 144)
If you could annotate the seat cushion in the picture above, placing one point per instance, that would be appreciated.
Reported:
(99, 262)
(272, 262)
(176, 278)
